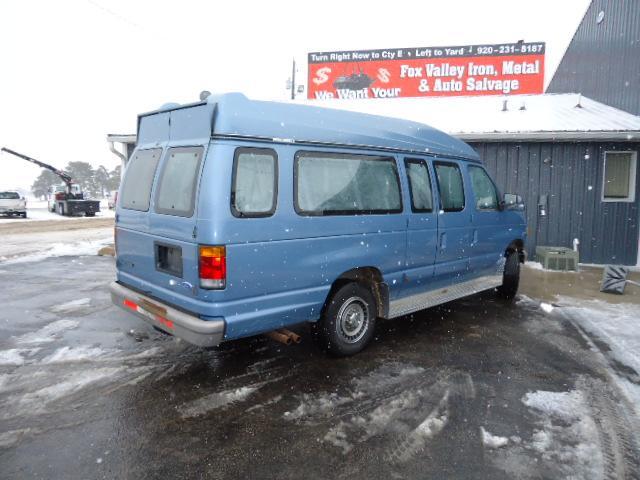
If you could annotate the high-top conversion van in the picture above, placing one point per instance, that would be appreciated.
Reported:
(238, 217)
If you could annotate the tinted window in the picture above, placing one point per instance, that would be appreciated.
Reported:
(138, 178)
(254, 189)
(340, 184)
(177, 186)
(483, 189)
(450, 186)
(9, 196)
(419, 185)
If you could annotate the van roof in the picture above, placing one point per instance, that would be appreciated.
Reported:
(234, 115)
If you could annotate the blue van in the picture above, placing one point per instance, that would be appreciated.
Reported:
(238, 217)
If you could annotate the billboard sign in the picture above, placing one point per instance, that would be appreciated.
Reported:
(507, 68)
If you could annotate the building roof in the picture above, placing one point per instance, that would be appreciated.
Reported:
(234, 115)
(121, 137)
(546, 117)
(557, 117)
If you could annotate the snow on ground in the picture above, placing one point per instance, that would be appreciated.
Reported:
(11, 357)
(410, 407)
(37, 211)
(30, 247)
(616, 325)
(48, 333)
(492, 441)
(567, 434)
(74, 354)
(71, 306)
(546, 307)
(216, 400)
(37, 402)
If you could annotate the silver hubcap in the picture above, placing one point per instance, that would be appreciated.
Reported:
(353, 320)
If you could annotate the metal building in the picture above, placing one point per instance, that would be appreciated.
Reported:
(603, 58)
(574, 161)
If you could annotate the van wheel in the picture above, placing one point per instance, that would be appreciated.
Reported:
(510, 277)
(348, 321)
(61, 209)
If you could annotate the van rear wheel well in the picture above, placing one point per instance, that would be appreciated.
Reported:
(369, 277)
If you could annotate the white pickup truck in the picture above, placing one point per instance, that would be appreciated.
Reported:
(11, 203)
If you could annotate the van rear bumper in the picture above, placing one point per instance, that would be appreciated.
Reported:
(204, 333)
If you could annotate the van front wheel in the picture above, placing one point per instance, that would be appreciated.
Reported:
(510, 277)
(348, 321)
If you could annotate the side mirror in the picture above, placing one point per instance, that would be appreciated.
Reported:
(511, 201)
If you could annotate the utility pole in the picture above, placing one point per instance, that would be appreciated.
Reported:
(293, 81)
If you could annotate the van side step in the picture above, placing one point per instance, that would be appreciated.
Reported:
(420, 301)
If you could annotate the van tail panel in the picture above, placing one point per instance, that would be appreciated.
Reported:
(147, 259)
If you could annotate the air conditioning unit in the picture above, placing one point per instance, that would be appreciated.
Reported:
(557, 258)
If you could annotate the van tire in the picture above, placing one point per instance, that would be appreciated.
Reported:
(510, 277)
(347, 322)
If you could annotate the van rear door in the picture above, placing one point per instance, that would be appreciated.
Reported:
(157, 212)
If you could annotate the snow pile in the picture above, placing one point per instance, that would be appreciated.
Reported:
(85, 247)
(492, 441)
(214, 401)
(546, 307)
(71, 306)
(567, 435)
(48, 333)
(617, 325)
(535, 266)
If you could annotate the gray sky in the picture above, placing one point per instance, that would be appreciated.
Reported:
(72, 71)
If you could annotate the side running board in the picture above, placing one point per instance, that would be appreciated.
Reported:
(420, 301)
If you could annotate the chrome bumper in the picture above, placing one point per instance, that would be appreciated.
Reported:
(192, 329)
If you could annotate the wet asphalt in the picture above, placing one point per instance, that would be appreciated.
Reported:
(87, 391)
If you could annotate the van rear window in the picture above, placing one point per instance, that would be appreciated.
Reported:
(138, 178)
(343, 184)
(177, 184)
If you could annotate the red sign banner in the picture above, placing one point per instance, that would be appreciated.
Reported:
(514, 68)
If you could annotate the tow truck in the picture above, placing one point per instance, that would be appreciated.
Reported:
(68, 200)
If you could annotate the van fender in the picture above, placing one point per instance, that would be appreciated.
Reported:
(370, 277)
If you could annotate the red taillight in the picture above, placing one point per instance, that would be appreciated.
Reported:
(213, 267)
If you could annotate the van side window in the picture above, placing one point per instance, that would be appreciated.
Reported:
(419, 185)
(345, 184)
(178, 179)
(483, 189)
(450, 186)
(138, 178)
(254, 188)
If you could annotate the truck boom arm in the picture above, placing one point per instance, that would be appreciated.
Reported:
(64, 176)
